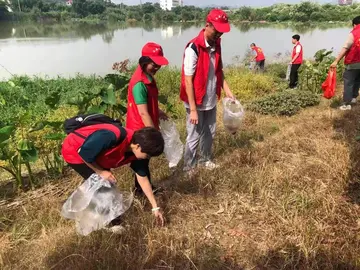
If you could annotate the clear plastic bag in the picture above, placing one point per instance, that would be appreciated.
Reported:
(94, 204)
(174, 148)
(288, 72)
(233, 114)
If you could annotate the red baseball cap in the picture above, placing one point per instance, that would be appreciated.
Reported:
(219, 19)
(155, 53)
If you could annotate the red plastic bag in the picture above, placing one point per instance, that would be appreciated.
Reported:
(329, 85)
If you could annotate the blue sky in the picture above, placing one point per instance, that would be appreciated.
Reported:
(257, 3)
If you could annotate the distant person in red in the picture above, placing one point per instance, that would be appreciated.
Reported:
(259, 58)
(143, 103)
(351, 52)
(296, 61)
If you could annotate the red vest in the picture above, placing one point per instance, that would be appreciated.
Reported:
(353, 54)
(133, 118)
(259, 54)
(111, 158)
(299, 59)
(202, 70)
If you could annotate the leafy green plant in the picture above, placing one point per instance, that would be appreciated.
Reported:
(313, 73)
(286, 103)
(23, 153)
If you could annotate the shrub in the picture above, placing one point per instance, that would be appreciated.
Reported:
(278, 70)
(287, 102)
(247, 85)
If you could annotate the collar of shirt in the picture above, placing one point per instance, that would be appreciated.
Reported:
(209, 47)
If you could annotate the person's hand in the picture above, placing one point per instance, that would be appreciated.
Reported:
(291, 62)
(230, 95)
(108, 176)
(194, 118)
(163, 115)
(159, 218)
(333, 65)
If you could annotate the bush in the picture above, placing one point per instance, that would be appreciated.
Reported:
(247, 85)
(277, 69)
(287, 102)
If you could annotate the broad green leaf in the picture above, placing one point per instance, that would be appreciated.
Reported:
(2, 100)
(29, 155)
(163, 99)
(97, 109)
(25, 145)
(11, 83)
(55, 136)
(38, 126)
(76, 100)
(53, 100)
(118, 80)
(120, 108)
(5, 133)
(109, 95)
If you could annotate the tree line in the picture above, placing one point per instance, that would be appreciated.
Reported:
(106, 10)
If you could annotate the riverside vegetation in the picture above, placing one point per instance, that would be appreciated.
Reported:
(57, 10)
(286, 196)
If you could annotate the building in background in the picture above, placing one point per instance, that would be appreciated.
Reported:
(345, 2)
(170, 4)
(170, 32)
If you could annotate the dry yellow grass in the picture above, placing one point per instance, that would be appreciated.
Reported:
(286, 197)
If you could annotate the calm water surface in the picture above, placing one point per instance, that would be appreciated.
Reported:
(67, 49)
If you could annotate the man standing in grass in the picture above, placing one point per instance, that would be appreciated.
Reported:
(202, 79)
(351, 51)
(296, 61)
(259, 57)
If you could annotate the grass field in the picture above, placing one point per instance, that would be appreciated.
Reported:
(286, 197)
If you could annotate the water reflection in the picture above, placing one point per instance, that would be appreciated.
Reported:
(86, 30)
(65, 49)
(170, 31)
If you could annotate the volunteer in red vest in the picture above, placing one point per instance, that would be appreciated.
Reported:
(98, 148)
(351, 51)
(259, 57)
(202, 79)
(143, 104)
(296, 61)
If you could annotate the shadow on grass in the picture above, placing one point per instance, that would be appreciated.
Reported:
(135, 250)
(292, 258)
(348, 127)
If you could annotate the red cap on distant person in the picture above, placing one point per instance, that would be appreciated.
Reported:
(219, 19)
(155, 53)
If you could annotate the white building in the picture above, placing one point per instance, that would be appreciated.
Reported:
(7, 2)
(169, 4)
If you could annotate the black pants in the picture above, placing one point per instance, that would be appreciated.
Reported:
(294, 75)
(260, 66)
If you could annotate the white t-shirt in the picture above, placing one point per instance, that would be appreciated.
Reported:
(190, 63)
(298, 48)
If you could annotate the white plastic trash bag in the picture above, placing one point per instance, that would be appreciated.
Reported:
(288, 72)
(174, 148)
(233, 114)
(94, 204)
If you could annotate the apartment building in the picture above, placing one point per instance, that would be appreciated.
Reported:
(170, 4)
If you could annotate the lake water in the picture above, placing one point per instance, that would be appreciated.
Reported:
(67, 49)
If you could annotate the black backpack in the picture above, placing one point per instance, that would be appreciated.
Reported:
(84, 120)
